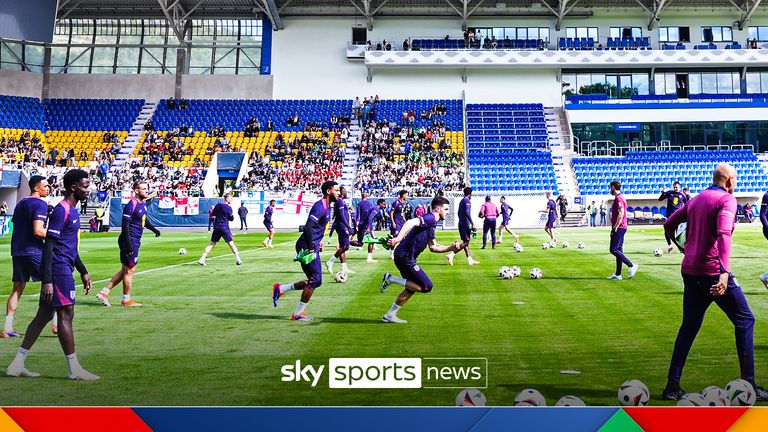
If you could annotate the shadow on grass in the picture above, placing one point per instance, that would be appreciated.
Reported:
(577, 278)
(331, 320)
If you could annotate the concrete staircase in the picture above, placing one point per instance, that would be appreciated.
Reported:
(135, 135)
(351, 154)
(562, 153)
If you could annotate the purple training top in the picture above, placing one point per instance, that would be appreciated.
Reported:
(24, 242)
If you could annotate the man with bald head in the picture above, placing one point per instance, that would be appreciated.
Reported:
(707, 277)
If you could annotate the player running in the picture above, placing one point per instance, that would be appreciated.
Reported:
(223, 214)
(310, 242)
(618, 230)
(415, 235)
(344, 227)
(466, 227)
(675, 200)
(397, 215)
(707, 277)
(129, 242)
(506, 213)
(366, 214)
(60, 259)
(29, 218)
(267, 243)
(551, 212)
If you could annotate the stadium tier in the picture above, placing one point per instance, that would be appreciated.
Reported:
(233, 115)
(22, 113)
(392, 110)
(449, 44)
(506, 126)
(92, 114)
(84, 145)
(648, 172)
(511, 170)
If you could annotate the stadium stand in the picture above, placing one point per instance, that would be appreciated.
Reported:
(21, 113)
(511, 170)
(392, 110)
(91, 114)
(648, 172)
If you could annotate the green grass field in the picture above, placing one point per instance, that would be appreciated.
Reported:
(210, 336)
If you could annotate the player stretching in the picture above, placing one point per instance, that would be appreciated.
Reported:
(344, 227)
(675, 200)
(707, 278)
(551, 212)
(311, 242)
(134, 222)
(466, 226)
(222, 212)
(268, 224)
(29, 219)
(397, 215)
(618, 230)
(60, 259)
(414, 237)
(506, 212)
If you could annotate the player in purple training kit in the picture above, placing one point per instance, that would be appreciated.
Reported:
(129, 242)
(366, 214)
(466, 226)
(675, 201)
(310, 241)
(345, 228)
(551, 212)
(506, 212)
(397, 215)
(29, 218)
(60, 259)
(618, 230)
(223, 214)
(267, 243)
(415, 235)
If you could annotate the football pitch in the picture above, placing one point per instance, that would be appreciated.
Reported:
(210, 336)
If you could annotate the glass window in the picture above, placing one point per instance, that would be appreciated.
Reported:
(753, 82)
(522, 33)
(619, 32)
(534, 33)
(544, 33)
(760, 33)
(694, 83)
(672, 34)
(581, 32)
(709, 83)
(764, 81)
(659, 84)
(724, 83)
(640, 82)
(718, 34)
(249, 60)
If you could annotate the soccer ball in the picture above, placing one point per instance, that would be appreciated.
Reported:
(516, 272)
(470, 397)
(536, 273)
(565, 244)
(581, 245)
(657, 252)
(692, 399)
(507, 274)
(633, 393)
(530, 397)
(502, 270)
(567, 401)
(740, 393)
(341, 277)
(545, 245)
(518, 248)
(715, 396)
(182, 251)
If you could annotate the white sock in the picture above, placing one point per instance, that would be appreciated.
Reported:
(9, 322)
(397, 280)
(370, 256)
(266, 240)
(207, 251)
(269, 242)
(469, 258)
(451, 255)
(300, 308)
(332, 260)
(500, 235)
(105, 291)
(21, 357)
(73, 364)
(285, 288)
(393, 310)
(237, 255)
(126, 297)
(344, 267)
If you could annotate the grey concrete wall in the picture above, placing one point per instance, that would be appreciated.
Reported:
(226, 86)
(13, 83)
(83, 86)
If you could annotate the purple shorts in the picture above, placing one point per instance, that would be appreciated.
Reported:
(63, 290)
(219, 234)
(411, 271)
(313, 270)
(26, 268)
(343, 239)
(551, 222)
(268, 225)
(465, 232)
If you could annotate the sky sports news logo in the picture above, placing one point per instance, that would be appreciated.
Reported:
(391, 373)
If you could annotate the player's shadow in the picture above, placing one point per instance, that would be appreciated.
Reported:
(330, 320)
(575, 278)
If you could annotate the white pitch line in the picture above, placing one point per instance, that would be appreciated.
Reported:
(172, 266)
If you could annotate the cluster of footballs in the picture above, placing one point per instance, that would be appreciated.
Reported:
(632, 393)
(515, 271)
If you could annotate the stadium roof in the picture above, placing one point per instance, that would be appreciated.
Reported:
(180, 10)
